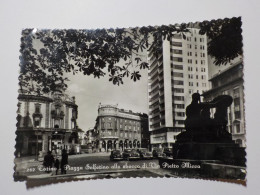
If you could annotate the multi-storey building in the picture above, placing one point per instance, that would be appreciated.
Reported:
(46, 123)
(118, 128)
(174, 75)
(229, 81)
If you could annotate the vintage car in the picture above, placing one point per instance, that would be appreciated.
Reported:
(144, 153)
(131, 154)
(116, 155)
(168, 152)
(158, 153)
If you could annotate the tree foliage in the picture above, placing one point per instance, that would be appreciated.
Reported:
(121, 51)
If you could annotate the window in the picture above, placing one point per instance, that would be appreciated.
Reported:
(196, 61)
(202, 40)
(190, 61)
(190, 91)
(196, 54)
(189, 46)
(125, 127)
(238, 128)
(175, 59)
(177, 44)
(191, 84)
(19, 107)
(197, 84)
(179, 98)
(177, 82)
(203, 62)
(178, 67)
(195, 46)
(120, 126)
(103, 125)
(237, 115)
(197, 77)
(109, 118)
(177, 51)
(178, 74)
(37, 108)
(178, 90)
(195, 39)
(180, 106)
(204, 84)
(181, 114)
(203, 77)
(203, 69)
(189, 68)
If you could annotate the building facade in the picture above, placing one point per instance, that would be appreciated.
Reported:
(46, 123)
(118, 128)
(229, 81)
(179, 71)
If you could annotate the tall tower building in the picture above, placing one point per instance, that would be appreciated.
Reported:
(179, 71)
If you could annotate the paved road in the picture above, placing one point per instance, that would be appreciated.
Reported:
(94, 164)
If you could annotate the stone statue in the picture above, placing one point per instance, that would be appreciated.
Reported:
(200, 127)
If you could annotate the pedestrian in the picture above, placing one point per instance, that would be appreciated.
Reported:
(57, 165)
(48, 162)
(64, 161)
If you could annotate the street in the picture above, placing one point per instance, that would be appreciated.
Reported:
(89, 166)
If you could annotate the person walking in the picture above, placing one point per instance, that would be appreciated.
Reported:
(64, 161)
(48, 161)
(57, 165)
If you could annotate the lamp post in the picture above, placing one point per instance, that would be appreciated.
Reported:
(36, 153)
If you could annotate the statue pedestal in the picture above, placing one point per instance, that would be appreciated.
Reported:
(228, 153)
(206, 160)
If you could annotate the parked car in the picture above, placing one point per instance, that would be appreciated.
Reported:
(168, 152)
(158, 152)
(144, 153)
(131, 154)
(116, 155)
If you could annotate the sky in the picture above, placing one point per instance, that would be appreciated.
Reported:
(90, 91)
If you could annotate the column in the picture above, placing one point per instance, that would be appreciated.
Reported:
(47, 115)
(25, 145)
(106, 145)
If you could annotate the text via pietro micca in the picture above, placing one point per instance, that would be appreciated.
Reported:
(93, 167)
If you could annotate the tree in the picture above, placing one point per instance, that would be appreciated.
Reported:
(121, 51)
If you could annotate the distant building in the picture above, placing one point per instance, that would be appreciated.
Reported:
(46, 123)
(118, 128)
(229, 81)
(179, 71)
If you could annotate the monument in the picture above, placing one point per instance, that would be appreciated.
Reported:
(206, 141)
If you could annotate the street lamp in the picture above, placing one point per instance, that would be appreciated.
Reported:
(36, 153)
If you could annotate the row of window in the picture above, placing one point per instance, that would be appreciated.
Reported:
(121, 120)
(197, 84)
(126, 127)
(202, 47)
(179, 67)
(197, 69)
(190, 76)
(195, 39)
